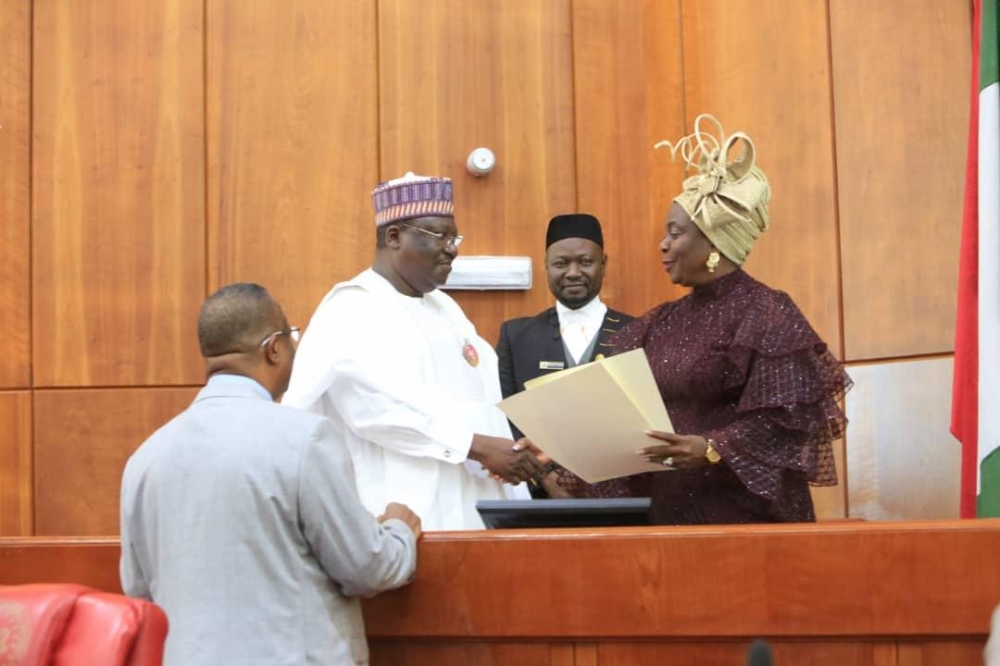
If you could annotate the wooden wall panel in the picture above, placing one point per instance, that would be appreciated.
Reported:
(932, 653)
(292, 145)
(15, 468)
(562, 654)
(486, 654)
(885, 654)
(621, 59)
(86, 562)
(722, 654)
(455, 75)
(666, 119)
(82, 440)
(763, 68)
(585, 654)
(118, 192)
(15, 189)
(901, 84)
(903, 462)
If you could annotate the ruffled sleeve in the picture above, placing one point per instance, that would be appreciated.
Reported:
(788, 413)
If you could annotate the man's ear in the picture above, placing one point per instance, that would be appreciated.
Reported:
(271, 352)
(604, 260)
(392, 236)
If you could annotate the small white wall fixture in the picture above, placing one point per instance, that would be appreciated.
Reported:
(488, 273)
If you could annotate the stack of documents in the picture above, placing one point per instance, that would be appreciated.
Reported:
(592, 419)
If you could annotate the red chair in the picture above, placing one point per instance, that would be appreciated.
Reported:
(73, 625)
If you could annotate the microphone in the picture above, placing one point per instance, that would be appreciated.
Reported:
(759, 654)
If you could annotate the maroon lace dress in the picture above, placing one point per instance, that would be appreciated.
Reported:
(737, 362)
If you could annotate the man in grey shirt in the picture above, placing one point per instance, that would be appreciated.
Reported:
(241, 519)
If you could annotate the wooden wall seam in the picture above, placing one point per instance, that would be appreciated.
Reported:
(836, 186)
(15, 193)
(207, 287)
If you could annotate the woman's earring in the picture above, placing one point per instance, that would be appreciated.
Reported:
(713, 261)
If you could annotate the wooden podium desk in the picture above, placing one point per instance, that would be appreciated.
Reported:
(909, 593)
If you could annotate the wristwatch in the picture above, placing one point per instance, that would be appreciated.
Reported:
(711, 455)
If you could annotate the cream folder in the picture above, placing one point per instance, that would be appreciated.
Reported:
(592, 419)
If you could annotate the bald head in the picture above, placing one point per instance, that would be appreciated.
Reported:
(236, 318)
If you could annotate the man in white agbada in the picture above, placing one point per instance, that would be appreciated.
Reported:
(403, 375)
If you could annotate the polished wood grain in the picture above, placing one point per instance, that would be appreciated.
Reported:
(763, 68)
(884, 654)
(666, 118)
(456, 75)
(585, 654)
(953, 653)
(82, 440)
(562, 654)
(15, 197)
(614, 143)
(91, 562)
(836, 579)
(463, 654)
(848, 593)
(813, 653)
(118, 192)
(15, 468)
(292, 145)
(901, 81)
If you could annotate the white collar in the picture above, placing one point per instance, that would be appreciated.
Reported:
(595, 309)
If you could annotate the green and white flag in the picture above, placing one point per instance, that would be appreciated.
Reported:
(976, 390)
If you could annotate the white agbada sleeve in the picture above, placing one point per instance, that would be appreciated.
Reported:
(992, 654)
(365, 359)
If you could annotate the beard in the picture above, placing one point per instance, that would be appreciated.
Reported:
(576, 298)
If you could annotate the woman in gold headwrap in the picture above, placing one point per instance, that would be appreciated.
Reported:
(751, 389)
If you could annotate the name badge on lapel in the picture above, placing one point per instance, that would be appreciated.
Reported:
(551, 365)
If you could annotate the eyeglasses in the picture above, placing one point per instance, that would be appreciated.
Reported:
(293, 333)
(453, 241)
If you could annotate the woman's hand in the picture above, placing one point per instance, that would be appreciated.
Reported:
(550, 483)
(680, 451)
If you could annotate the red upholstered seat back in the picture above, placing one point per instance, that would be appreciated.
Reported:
(72, 625)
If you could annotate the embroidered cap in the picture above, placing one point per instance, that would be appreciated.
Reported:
(412, 196)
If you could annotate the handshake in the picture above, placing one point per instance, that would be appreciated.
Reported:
(505, 460)
(509, 461)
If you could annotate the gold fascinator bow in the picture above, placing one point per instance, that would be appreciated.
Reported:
(726, 199)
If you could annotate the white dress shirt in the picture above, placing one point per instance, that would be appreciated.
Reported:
(578, 327)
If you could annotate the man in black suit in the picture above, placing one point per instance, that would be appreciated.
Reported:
(577, 329)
